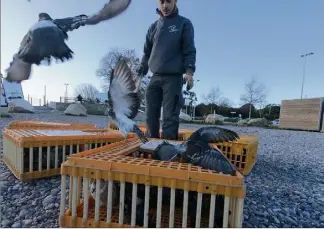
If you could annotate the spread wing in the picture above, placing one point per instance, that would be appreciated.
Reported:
(25, 41)
(124, 97)
(71, 23)
(208, 158)
(110, 10)
(213, 134)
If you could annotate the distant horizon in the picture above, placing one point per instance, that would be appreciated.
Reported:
(235, 41)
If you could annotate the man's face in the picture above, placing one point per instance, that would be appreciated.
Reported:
(167, 6)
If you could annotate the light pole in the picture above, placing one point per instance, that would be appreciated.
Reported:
(304, 56)
(66, 92)
(45, 95)
(0, 91)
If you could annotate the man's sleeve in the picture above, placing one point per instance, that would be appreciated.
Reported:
(147, 51)
(189, 49)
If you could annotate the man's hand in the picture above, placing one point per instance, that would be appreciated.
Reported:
(141, 71)
(189, 80)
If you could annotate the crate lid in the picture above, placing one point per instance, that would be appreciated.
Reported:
(49, 123)
(21, 136)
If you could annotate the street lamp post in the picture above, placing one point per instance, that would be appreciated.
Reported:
(0, 91)
(66, 92)
(304, 56)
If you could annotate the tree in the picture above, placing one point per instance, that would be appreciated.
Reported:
(225, 102)
(262, 105)
(191, 96)
(109, 61)
(213, 98)
(201, 110)
(87, 91)
(272, 111)
(255, 94)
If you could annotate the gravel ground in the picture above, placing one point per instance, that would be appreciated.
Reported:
(285, 188)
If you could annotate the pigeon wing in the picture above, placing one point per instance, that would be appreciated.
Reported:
(213, 135)
(71, 23)
(123, 93)
(112, 9)
(25, 43)
(207, 158)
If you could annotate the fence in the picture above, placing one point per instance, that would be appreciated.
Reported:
(64, 99)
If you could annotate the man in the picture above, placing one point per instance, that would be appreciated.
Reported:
(79, 98)
(169, 52)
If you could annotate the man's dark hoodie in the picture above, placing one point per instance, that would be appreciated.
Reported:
(169, 47)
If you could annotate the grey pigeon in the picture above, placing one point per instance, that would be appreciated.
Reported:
(124, 98)
(46, 39)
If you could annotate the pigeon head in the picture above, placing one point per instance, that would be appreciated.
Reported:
(44, 16)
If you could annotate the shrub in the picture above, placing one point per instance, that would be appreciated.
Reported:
(232, 119)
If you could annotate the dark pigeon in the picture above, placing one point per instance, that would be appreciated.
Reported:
(46, 39)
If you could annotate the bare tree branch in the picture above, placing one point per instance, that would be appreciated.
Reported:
(225, 102)
(87, 91)
(213, 97)
(109, 61)
(255, 94)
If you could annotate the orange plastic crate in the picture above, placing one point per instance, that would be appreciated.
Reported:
(242, 153)
(116, 164)
(32, 154)
(40, 124)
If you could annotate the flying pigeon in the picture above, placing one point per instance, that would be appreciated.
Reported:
(46, 39)
(123, 105)
(124, 99)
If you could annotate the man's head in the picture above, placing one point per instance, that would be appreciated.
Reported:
(167, 6)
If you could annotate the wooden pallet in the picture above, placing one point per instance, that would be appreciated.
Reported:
(302, 114)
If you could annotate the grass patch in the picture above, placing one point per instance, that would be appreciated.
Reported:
(4, 115)
(232, 120)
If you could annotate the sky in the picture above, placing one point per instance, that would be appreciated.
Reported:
(235, 41)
